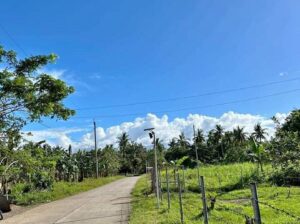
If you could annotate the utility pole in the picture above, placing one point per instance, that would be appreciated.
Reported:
(96, 153)
(152, 136)
(156, 169)
(197, 159)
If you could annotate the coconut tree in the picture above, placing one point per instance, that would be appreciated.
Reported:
(199, 144)
(178, 147)
(182, 141)
(259, 132)
(218, 133)
(239, 135)
(228, 138)
(123, 141)
(172, 143)
(199, 137)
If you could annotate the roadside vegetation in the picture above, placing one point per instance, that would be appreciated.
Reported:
(230, 189)
(59, 190)
(33, 172)
(229, 162)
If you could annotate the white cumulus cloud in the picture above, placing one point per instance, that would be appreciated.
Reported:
(165, 129)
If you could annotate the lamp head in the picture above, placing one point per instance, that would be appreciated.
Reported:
(151, 135)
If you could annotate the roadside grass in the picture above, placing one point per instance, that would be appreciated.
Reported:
(233, 197)
(58, 191)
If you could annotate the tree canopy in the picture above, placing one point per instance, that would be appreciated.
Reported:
(27, 94)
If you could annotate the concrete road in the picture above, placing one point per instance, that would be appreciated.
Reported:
(107, 204)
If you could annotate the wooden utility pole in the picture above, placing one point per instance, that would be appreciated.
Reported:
(197, 159)
(96, 153)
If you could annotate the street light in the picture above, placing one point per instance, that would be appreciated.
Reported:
(152, 136)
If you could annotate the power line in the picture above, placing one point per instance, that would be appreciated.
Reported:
(198, 107)
(13, 40)
(191, 96)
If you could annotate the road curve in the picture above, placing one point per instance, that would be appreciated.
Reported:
(107, 204)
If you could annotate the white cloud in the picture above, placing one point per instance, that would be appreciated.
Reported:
(283, 73)
(165, 129)
(68, 77)
(54, 137)
(95, 76)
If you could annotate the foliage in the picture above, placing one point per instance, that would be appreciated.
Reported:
(292, 122)
(229, 199)
(284, 148)
(27, 94)
(109, 161)
(133, 155)
(257, 152)
(285, 155)
(22, 196)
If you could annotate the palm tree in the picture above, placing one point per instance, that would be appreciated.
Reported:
(182, 141)
(228, 138)
(239, 135)
(159, 145)
(123, 141)
(172, 143)
(199, 141)
(199, 137)
(259, 132)
(160, 151)
(218, 133)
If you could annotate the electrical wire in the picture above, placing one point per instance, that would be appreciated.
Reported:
(192, 96)
(13, 40)
(198, 107)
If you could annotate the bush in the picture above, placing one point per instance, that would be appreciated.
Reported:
(42, 180)
(288, 176)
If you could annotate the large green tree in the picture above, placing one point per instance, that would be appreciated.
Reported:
(27, 94)
(292, 122)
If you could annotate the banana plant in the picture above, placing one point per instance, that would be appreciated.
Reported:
(257, 152)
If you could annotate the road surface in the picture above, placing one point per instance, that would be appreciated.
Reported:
(107, 204)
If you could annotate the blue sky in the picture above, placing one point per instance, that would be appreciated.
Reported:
(120, 52)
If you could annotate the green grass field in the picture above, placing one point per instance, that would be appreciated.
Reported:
(59, 190)
(230, 183)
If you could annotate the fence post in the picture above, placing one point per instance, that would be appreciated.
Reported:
(183, 177)
(159, 184)
(205, 212)
(220, 183)
(180, 199)
(289, 191)
(242, 178)
(255, 203)
(175, 176)
(168, 190)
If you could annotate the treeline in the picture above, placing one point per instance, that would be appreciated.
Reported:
(40, 164)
